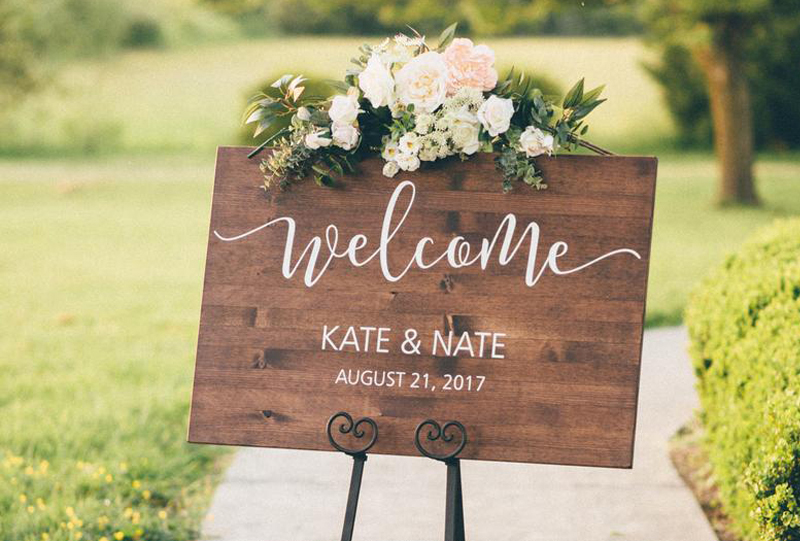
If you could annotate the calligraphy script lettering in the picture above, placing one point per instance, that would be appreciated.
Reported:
(458, 253)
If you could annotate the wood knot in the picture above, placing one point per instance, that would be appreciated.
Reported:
(447, 283)
(260, 360)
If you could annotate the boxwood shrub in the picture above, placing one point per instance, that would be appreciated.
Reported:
(744, 324)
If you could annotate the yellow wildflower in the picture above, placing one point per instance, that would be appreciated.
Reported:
(109, 478)
(136, 484)
(70, 525)
(23, 498)
(102, 521)
(104, 538)
(31, 509)
(138, 532)
(162, 514)
(101, 470)
(136, 516)
(70, 511)
(29, 470)
(78, 535)
(43, 465)
(119, 536)
(146, 494)
(40, 503)
(45, 536)
(127, 512)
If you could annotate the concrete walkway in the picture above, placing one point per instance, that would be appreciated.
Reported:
(277, 495)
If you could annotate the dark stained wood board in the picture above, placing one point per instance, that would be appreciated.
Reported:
(565, 391)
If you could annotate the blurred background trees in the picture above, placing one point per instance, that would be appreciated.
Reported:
(728, 68)
(37, 37)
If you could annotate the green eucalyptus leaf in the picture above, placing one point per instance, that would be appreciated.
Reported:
(446, 37)
(593, 94)
(574, 96)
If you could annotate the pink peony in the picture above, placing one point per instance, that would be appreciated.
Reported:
(469, 65)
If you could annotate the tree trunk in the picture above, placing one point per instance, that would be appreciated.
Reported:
(731, 113)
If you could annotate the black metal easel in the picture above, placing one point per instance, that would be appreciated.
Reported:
(454, 506)
(348, 426)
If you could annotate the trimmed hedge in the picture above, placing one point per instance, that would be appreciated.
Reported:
(744, 323)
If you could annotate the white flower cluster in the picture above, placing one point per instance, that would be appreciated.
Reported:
(444, 94)
(343, 131)
(455, 128)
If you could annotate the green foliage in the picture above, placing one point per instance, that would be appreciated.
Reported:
(500, 17)
(314, 86)
(771, 59)
(36, 37)
(685, 94)
(745, 328)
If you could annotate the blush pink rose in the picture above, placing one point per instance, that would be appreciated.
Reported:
(469, 65)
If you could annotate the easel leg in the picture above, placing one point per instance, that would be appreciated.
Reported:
(352, 496)
(454, 508)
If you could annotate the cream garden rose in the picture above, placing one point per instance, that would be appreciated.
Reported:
(422, 82)
(344, 109)
(495, 115)
(534, 142)
(465, 129)
(377, 83)
(345, 136)
(469, 66)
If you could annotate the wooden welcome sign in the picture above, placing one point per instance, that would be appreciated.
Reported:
(430, 295)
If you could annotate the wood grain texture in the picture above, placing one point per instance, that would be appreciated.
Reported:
(566, 390)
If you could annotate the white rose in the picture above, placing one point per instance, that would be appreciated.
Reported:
(407, 162)
(464, 131)
(423, 82)
(495, 115)
(344, 109)
(377, 83)
(409, 143)
(423, 123)
(535, 142)
(345, 136)
(390, 169)
(316, 140)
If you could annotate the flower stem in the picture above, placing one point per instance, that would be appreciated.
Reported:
(263, 145)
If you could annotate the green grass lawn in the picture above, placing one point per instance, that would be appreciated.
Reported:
(100, 271)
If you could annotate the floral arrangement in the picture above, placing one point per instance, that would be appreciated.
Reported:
(412, 103)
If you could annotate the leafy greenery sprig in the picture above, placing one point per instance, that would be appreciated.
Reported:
(532, 108)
